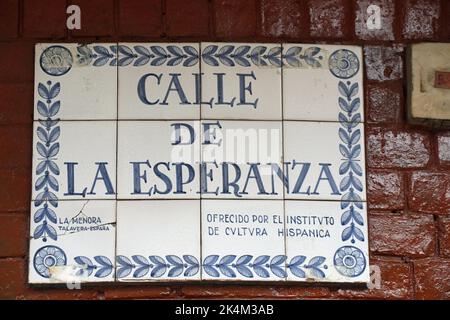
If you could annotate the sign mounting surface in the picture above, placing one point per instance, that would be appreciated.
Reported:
(198, 161)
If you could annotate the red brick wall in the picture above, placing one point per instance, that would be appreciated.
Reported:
(408, 179)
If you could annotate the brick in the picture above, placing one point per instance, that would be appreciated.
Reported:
(432, 279)
(388, 148)
(13, 285)
(314, 291)
(445, 17)
(235, 18)
(421, 18)
(16, 190)
(283, 18)
(10, 19)
(443, 148)
(16, 105)
(407, 235)
(444, 236)
(328, 18)
(44, 18)
(384, 63)
(97, 18)
(257, 291)
(13, 231)
(16, 62)
(386, 190)
(187, 17)
(15, 146)
(140, 18)
(385, 103)
(137, 292)
(12, 278)
(387, 14)
(430, 192)
(396, 282)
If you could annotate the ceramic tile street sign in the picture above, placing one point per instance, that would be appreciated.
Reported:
(198, 162)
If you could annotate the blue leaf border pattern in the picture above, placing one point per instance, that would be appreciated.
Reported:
(349, 260)
(228, 266)
(102, 266)
(350, 170)
(48, 132)
(187, 56)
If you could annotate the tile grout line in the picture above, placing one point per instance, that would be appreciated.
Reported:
(283, 167)
(117, 170)
(200, 164)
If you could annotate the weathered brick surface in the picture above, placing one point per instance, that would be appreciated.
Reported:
(140, 292)
(234, 18)
(16, 196)
(387, 148)
(386, 31)
(13, 285)
(432, 279)
(9, 28)
(16, 62)
(408, 178)
(13, 231)
(254, 291)
(421, 19)
(284, 18)
(15, 142)
(430, 192)
(97, 18)
(405, 235)
(187, 12)
(16, 104)
(386, 190)
(385, 103)
(384, 63)
(396, 282)
(444, 236)
(328, 18)
(44, 19)
(140, 18)
(443, 148)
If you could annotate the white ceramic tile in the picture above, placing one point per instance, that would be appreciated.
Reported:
(159, 81)
(75, 82)
(241, 81)
(243, 240)
(319, 81)
(156, 160)
(72, 241)
(326, 241)
(74, 160)
(241, 159)
(329, 160)
(158, 240)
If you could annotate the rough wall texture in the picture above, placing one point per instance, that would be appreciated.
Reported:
(409, 166)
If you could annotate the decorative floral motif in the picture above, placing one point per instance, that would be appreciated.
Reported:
(262, 266)
(344, 64)
(138, 55)
(349, 261)
(47, 257)
(350, 170)
(47, 170)
(87, 267)
(215, 266)
(311, 56)
(174, 266)
(244, 56)
(56, 60)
